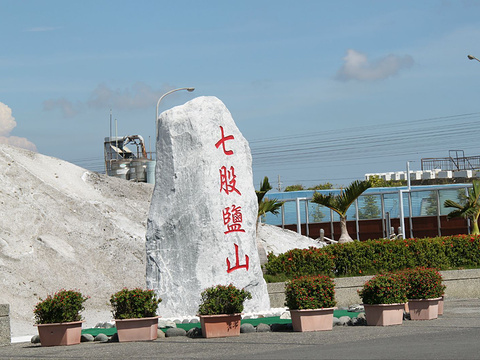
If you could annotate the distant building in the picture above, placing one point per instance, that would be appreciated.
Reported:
(126, 164)
(456, 167)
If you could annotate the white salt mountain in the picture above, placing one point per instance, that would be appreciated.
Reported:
(201, 224)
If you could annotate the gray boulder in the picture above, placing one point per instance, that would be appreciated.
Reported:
(171, 332)
(35, 339)
(247, 328)
(86, 338)
(263, 327)
(195, 332)
(343, 320)
(101, 337)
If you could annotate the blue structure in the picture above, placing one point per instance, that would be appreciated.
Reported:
(374, 203)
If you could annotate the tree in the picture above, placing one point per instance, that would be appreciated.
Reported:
(297, 187)
(265, 204)
(317, 214)
(471, 208)
(370, 209)
(432, 204)
(377, 181)
(341, 202)
(325, 186)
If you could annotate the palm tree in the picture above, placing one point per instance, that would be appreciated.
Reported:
(266, 205)
(471, 209)
(341, 202)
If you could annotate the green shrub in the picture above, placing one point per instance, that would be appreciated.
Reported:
(221, 299)
(377, 256)
(310, 292)
(135, 303)
(423, 283)
(63, 306)
(300, 262)
(384, 289)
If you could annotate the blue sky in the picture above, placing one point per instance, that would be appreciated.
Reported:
(325, 91)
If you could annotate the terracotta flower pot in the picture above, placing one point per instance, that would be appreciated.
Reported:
(57, 334)
(423, 309)
(440, 305)
(223, 325)
(384, 314)
(141, 329)
(312, 319)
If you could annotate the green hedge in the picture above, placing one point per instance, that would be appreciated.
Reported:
(376, 256)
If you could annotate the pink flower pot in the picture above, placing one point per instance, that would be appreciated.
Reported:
(141, 329)
(384, 314)
(423, 309)
(440, 306)
(58, 334)
(312, 319)
(223, 325)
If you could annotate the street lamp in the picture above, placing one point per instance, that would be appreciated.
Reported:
(471, 57)
(189, 89)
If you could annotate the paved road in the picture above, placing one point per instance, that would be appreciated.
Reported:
(455, 335)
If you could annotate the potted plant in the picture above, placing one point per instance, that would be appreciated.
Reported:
(58, 318)
(220, 310)
(384, 297)
(135, 314)
(425, 290)
(311, 301)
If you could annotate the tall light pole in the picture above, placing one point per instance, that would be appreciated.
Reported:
(471, 57)
(189, 89)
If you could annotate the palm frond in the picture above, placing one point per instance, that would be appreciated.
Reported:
(471, 208)
(341, 202)
(264, 188)
(451, 203)
(270, 205)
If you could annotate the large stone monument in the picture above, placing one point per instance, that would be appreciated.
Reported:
(201, 225)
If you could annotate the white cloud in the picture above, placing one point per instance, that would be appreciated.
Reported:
(140, 95)
(137, 96)
(7, 121)
(7, 124)
(358, 67)
(65, 106)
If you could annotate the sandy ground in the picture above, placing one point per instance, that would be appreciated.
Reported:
(62, 226)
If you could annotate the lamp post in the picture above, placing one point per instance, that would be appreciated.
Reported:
(189, 89)
(471, 57)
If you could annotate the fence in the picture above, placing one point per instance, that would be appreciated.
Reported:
(418, 212)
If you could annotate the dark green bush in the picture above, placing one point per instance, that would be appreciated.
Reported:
(221, 299)
(384, 289)
(377, 256)
(310, 292)
(133, 304)
(423, 283)
(300, 262)
(63, 306)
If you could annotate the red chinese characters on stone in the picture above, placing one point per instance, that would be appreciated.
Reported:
(237, 262)
(228, 180)
(232, 218)
(232, 215)
(222, 142)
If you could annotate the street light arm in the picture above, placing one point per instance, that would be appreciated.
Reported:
(189, 89)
